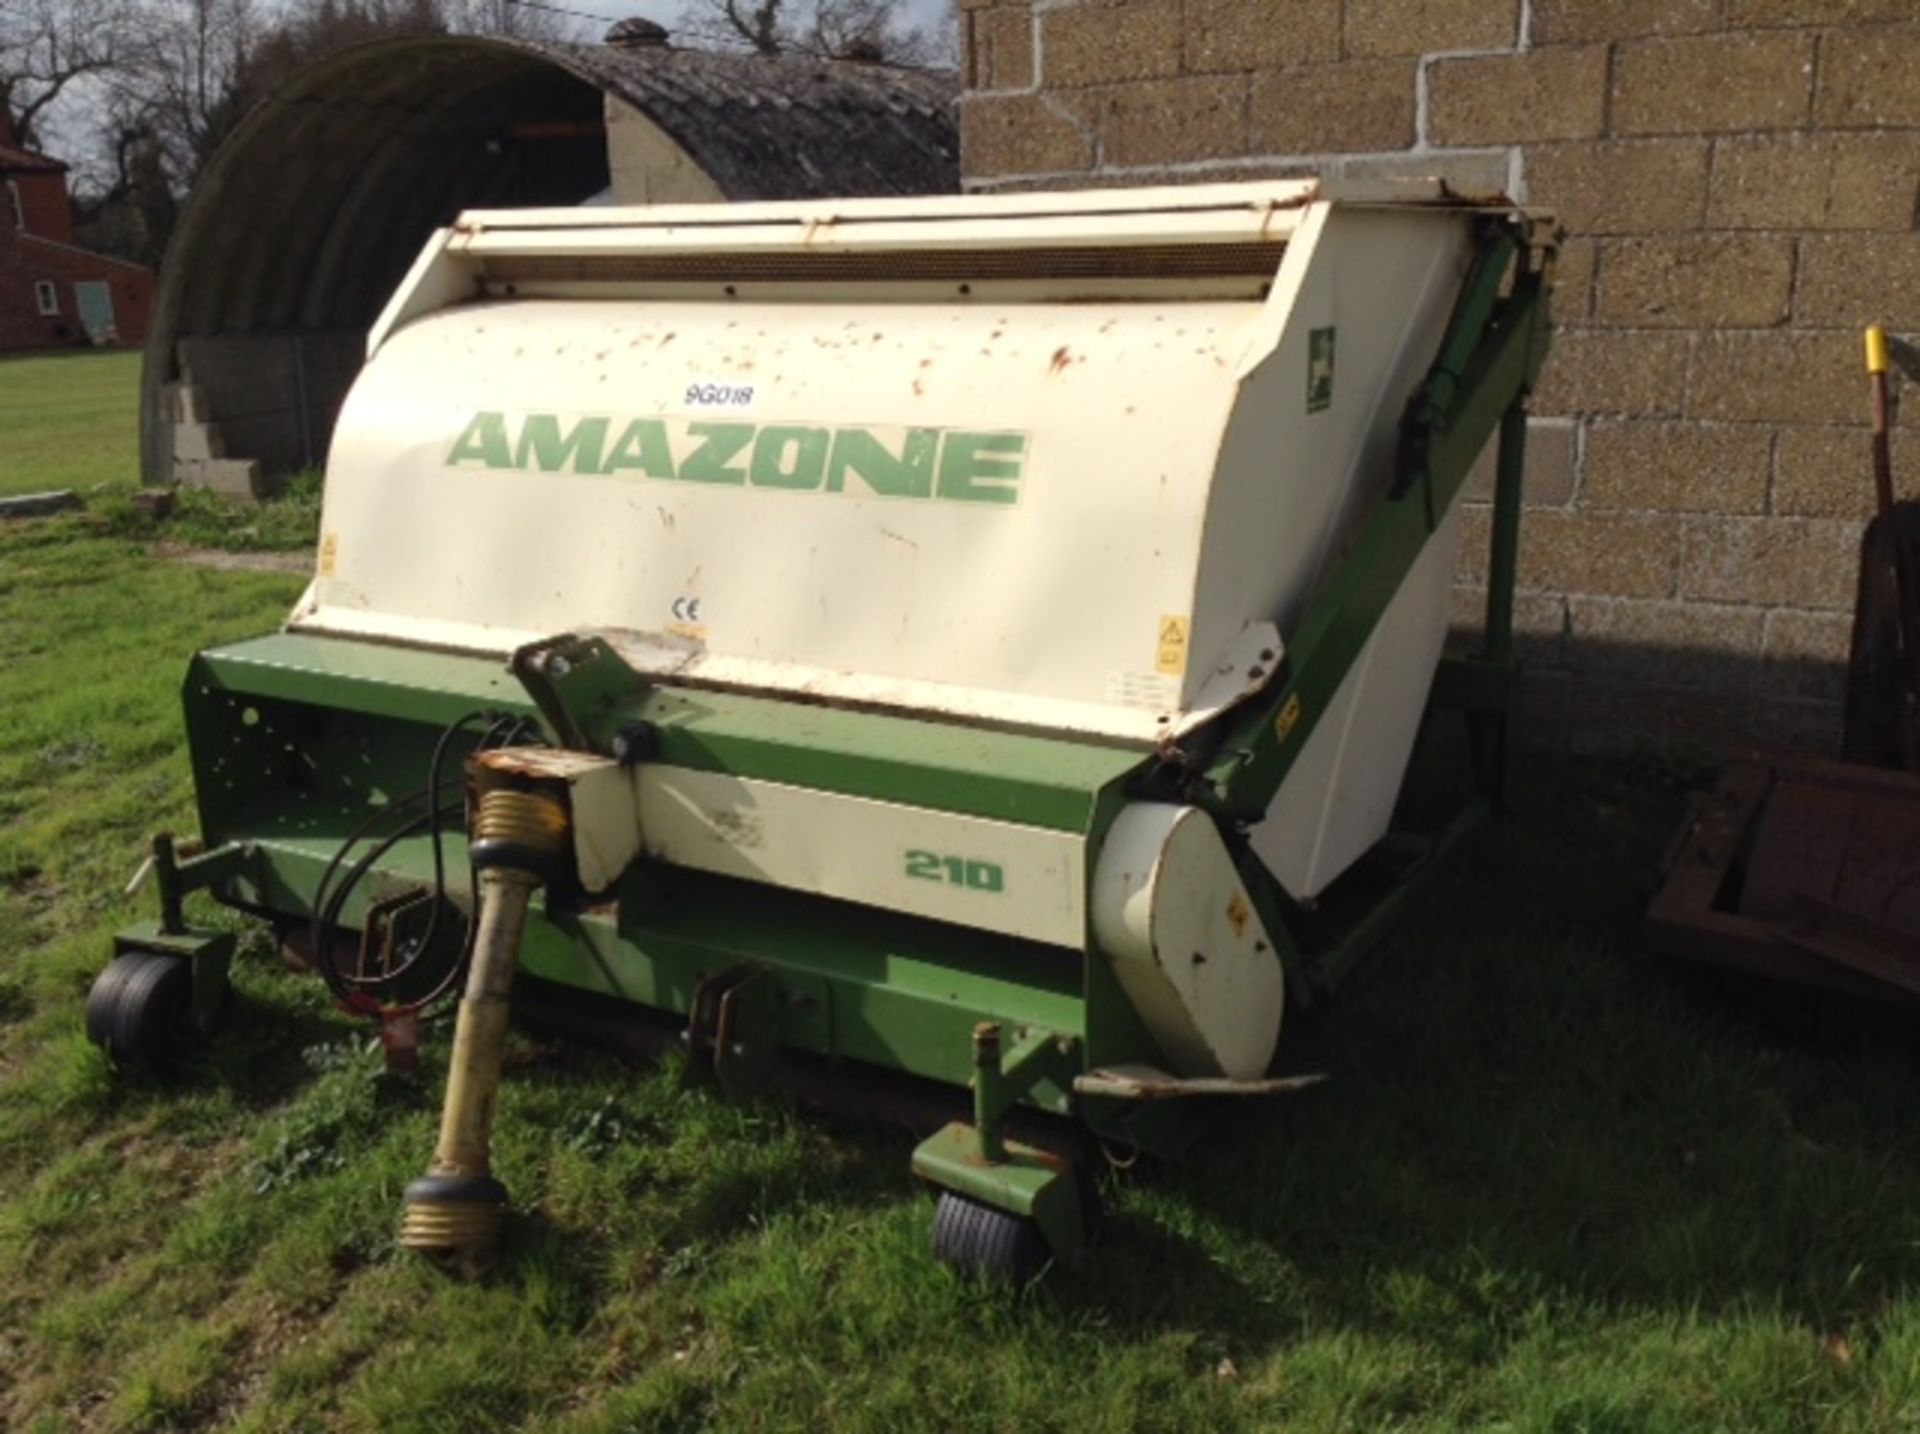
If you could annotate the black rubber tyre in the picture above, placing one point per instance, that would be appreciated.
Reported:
(140, 1010)
(977, 1239)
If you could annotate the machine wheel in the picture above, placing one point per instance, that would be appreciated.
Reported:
(140, 1010)
(977, 1239)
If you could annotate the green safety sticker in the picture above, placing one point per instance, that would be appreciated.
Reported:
(1319, 369)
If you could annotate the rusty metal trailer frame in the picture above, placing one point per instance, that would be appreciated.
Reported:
(1697, 914)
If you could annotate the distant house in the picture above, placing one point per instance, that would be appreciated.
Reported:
(53, 293)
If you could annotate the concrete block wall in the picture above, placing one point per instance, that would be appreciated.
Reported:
(1739, 181)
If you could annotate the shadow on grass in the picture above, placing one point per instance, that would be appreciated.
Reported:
(1528, 1107)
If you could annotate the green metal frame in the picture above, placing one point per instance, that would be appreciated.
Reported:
(209, 951)
(297, 739)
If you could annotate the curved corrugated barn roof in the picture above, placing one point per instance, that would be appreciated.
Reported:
(309, 215)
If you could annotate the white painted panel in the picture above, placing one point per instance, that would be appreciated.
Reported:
(996, 876)
(1187, 947)
(1339, 796)
(1178, 498)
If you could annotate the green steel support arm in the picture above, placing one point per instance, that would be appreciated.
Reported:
(1488, 361)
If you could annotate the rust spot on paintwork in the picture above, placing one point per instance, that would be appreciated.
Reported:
(540, 763)
(1062, 356)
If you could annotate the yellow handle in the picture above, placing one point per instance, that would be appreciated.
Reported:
(1876, 349)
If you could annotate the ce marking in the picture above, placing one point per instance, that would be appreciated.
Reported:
(686, 609)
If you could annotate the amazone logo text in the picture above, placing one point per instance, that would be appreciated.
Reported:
(949, 464)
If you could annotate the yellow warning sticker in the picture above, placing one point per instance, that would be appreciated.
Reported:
(329, 553)
(1289, 715)
(1237, 915)
(1171, 655)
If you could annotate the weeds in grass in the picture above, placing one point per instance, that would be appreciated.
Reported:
(289, 521)
(340, 1108)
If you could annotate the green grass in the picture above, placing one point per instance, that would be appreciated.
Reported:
(72, 421)
(69, 421)
(1552, 1185)
(289, 522)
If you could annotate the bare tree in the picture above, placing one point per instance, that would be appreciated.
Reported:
(538, 21)
(181, 82)
(47, 47)
(876, 30)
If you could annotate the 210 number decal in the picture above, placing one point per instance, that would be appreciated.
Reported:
(956, 871)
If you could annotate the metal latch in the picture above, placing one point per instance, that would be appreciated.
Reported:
(733, 1026)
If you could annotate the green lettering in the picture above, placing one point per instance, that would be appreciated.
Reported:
(541, 441)
(786, 457)
(483, 441)
(959, 467)
(982, 467)
(910, 475)
(712, 461)
(644, 447)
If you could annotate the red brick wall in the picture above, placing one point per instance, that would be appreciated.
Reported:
(1739, 179)
(43, 202)
(23, 261)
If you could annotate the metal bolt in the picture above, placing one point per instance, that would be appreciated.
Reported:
(636, 742)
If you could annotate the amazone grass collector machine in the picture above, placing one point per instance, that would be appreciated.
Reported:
(981, 640)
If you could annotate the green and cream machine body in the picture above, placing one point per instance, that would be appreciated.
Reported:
(966, 638)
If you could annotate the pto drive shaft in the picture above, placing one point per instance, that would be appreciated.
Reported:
(519, 842)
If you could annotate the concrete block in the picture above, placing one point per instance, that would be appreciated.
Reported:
(1744, 13)
(1419, 27)
(1827, 472)
(1683, 644)
(1615, 371)
(1708, 281)
(1548, 479)
(1362, 104)
(1105, 44)
(1260, 34)
(999, 48)
(1713, 83)
(1867, 76)
(1781, 377)
(1171, 121)
(1573, 279)
(1851, 280)
(1772, 562)
(185, 403)
(1020, 134)
(197, 441)
(1637, 187)
(1482, 171)
(1561, 22)
(1677, 467)
(1816, 181)
(1531, 97)
(1565, 551)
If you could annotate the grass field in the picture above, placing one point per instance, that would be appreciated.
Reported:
(1551, 1186)
(69, 421)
